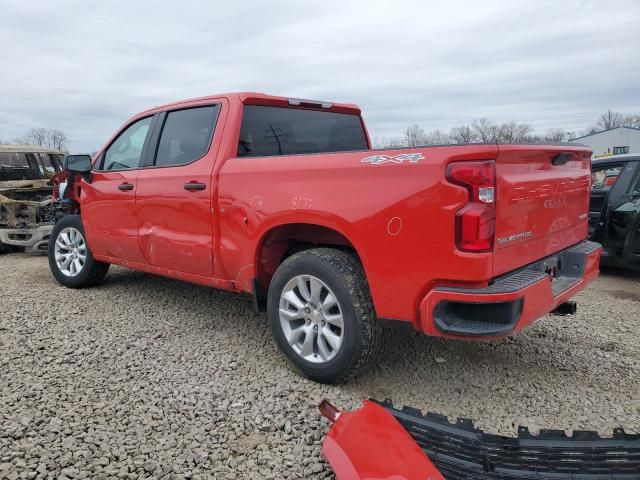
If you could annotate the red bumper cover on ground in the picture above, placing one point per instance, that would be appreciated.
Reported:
(370, 444)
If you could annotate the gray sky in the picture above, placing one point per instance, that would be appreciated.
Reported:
(85, 66)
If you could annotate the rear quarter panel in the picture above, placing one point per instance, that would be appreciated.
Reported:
(399, 217)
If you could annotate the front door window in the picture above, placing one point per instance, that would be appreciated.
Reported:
(126, 152)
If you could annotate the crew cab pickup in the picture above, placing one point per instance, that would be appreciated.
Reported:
(285, 200)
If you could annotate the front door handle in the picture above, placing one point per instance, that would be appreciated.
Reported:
(125, 186)
(191, 186)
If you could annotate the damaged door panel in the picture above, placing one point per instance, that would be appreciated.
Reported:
(614, 210)
(27, 209)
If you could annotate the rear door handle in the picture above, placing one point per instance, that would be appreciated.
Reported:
(125, 186)
(191, 186)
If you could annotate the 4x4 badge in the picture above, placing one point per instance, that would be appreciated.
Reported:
(380, 159)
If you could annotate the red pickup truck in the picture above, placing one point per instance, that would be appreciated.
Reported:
(284, 199)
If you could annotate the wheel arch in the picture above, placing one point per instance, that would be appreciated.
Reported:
(282, 240)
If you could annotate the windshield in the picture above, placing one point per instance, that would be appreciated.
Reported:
(29, 166)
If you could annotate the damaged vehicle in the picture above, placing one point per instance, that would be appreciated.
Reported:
(27, 211)
(614, 210)
(381, 442)
(285, 200)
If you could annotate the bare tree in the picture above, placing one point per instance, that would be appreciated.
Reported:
(610, 120)
(513, 132)
(38, 136)
(58, 139)
(588, 131)
(486, 130)
(632, 120)
(389, 142)
(556, 135)
(415, 136)
(437, 137)
(462, 134)
(44, 138)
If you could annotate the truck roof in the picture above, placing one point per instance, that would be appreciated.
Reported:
(622, 158)
(256, 98)
(28, 149)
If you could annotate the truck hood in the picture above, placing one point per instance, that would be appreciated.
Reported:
(24, 184)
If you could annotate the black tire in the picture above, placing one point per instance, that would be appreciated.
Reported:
(344, 275)
(92, 273)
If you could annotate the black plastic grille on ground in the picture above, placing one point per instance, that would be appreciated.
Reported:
(461, 451)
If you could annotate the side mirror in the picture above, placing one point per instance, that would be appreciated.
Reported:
(77, 163)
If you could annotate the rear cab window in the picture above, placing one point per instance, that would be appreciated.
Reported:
(186, 135)
(268, 131)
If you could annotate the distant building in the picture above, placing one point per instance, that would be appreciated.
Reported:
(615, 141)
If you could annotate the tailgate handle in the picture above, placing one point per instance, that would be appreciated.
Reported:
(561, 158)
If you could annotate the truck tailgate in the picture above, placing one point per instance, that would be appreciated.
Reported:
(542, 202)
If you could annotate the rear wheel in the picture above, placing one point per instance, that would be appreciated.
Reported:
(322, 316)
(70, 258)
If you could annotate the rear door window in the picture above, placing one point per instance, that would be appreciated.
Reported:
(186, 135)
(267, 131)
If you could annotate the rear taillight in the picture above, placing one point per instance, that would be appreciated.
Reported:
(475, 222)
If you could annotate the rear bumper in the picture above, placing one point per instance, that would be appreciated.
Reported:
(34, 240)
(512, 301)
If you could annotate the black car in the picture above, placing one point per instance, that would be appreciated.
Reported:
(614, 210)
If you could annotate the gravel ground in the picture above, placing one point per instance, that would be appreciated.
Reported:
(146, 377)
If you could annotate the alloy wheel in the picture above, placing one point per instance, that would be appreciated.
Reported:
(311, 319)
(70, 251)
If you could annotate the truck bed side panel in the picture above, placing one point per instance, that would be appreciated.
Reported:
(399, 215)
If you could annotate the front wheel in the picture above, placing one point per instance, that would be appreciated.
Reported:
(322, 316)
(70, 258)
